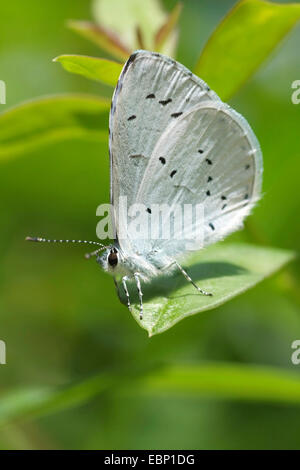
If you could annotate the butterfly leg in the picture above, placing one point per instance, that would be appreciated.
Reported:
(117, 288)
(124, 279)
(138, 285)
(203, 292)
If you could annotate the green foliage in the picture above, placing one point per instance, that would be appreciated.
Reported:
(167, 28)
(32, 403)
(242, 41)
(224, 270)
(102, 37)
(220, 380)
(123, 19)
(101, 70)
(228, 381)
(52, 119)
(251, 17)
(75, 359)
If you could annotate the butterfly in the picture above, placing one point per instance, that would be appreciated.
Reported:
(172, 141)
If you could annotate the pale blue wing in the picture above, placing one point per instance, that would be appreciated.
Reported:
(208, 155)
(152, 92)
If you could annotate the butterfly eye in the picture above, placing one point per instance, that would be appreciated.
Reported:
(113, 257)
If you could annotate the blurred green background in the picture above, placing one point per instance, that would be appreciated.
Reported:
(59, 314)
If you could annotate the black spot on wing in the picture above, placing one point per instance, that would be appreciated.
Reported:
(200, 151)
(129, 61)
(149, 210)
(208, 161)
(131, 117)
(223, 198)
(223, 207)
(208, 193)
(176, 115)
(162, 160)
(173, 172)
(150, 96)
(164, 102)
(246, 196)
(212, 226)
(209, 179)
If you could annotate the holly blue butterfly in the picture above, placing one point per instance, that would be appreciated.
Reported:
(173, 141)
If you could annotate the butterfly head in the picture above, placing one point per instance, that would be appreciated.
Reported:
(109, 260)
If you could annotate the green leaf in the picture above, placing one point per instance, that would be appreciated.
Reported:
(242, 41)
(215, 380)
(123, 19)
(168, 27)
(32, 403)
(226, 270)
(105, 39)
(221, 380)
(101, 70)
(36, 402)
(50, 119)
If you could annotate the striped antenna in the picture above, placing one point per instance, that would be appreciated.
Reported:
(87, 242)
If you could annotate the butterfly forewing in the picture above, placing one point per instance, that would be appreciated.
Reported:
(152, 91)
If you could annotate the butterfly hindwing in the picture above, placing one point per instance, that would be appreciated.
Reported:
(209, 156)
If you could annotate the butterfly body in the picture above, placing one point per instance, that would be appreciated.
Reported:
(149, 267)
